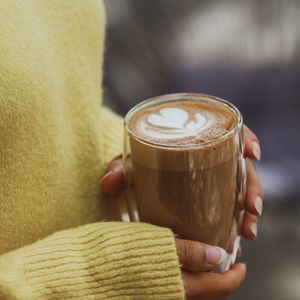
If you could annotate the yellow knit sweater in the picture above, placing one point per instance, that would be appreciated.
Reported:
(55, 143)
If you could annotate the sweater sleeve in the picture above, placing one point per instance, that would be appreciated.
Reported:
(112, 134)
(108, 260)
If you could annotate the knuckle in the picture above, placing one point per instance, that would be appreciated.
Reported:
(190, 253)
(187, 251)
(182, 251)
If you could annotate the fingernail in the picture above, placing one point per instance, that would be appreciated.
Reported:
(118, 169)
(258, 205)
(253, 228)
(106, 176)
(256, 150)
(215, 255)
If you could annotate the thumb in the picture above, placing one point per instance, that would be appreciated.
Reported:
(196, 256)
(113, 181)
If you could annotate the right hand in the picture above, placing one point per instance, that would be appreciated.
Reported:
(197, 260)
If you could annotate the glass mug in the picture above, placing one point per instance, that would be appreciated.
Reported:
(196, 190)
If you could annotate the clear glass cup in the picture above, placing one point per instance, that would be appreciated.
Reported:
(196, 190)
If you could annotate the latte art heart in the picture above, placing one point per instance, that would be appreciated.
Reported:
(182, 122)
(173, 123)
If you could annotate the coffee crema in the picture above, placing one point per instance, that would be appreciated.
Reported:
(183, 122)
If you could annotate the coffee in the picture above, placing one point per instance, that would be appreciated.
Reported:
(186, 167)
(182, 123)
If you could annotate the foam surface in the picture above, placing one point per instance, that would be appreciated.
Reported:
(182, 122)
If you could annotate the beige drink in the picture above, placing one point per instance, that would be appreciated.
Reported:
(185, 162)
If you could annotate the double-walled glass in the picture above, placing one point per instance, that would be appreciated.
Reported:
(196, 190)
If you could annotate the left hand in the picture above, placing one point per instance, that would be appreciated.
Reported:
(113, 183)
(254, 192)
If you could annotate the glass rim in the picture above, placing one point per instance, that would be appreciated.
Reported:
(177, 97)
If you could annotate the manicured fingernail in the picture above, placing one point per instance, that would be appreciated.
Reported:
(106, 176)
(253, 228)
(256, 150)
(258, 203)
(215, 255)
(118, 169)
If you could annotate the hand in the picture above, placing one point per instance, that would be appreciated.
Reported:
(113, 183)
(254, 192)
(197, 259)
(199, 282)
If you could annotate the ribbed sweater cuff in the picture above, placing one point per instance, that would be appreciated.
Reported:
(112, 135)
(97, 261)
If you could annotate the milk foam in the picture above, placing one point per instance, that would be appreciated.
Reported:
(182, 122)
(173, 123)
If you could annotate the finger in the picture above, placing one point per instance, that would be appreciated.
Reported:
(115, 164)
(113, 181)
(252, 145)
(213, 286)
(249, 226)
(196, 256)
(254, 193)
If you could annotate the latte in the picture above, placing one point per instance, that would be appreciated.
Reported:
(183, 123)
(186, 168)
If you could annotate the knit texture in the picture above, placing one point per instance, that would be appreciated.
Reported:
(113, 138)
(96, 261)
(56, 141)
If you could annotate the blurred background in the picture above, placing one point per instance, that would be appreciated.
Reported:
(245, 51)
